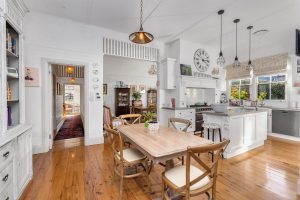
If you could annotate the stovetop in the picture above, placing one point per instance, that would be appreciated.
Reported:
(200, 108)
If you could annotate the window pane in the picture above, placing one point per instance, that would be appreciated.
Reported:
(245, 92)
(264, 88)
(278, 78)
(264, 79)
(278, 91)
(245, 82)
(235, 82)
(234, 92)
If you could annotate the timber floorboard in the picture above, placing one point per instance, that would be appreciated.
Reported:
(71, 171)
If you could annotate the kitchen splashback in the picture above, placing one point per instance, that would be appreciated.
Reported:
(198, 95)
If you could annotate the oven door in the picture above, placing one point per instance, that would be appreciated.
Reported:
(199, 122)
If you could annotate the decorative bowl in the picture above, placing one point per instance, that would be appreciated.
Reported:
(220, 108)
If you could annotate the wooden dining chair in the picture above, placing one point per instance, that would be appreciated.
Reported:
(125, 160)
(129, 119)
(190, 180)
(174, 122)
(109, 121)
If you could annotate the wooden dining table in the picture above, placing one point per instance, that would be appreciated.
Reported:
(163, 145)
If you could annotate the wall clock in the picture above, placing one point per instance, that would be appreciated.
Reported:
(201, 60)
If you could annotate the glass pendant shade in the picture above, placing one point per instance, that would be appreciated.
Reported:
(221, 60)
(141, 37)
(236, 62)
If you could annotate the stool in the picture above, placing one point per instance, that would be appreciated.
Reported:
(213, 126)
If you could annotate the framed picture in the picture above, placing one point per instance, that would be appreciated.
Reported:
(31, 77)
(142, 89)
(133, 89)
(185, 70)
(104, 88)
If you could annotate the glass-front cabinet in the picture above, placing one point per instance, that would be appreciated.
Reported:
(122, 101)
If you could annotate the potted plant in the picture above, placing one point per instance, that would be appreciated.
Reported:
(261, 97)
(151, 125)
(137, 99)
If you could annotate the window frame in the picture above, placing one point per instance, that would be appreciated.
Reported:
(270, 86)
(240, 84)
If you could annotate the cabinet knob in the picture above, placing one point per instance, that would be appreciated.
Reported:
(5, 155)
(4, 179)
(7, 198)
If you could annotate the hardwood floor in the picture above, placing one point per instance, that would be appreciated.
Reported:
(77, 172)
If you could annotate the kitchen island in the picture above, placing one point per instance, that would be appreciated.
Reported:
(246, 129)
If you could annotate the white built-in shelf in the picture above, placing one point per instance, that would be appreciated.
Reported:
(13, 100)
(12, 77)
(11, 54)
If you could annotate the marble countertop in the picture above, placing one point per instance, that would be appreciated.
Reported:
(185, 108)
(13, 133)
(233, 113)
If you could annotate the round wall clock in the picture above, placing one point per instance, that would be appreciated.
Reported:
(201, 60)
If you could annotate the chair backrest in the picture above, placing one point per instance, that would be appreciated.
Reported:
(116, 143)
(130, 119)
(173, 121)
(208, 169)
(107, 117)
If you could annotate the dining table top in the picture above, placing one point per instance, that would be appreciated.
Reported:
(163, 145)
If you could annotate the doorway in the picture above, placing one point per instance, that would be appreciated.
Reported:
(68, 102)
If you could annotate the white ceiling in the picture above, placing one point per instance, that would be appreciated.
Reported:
(193, 20)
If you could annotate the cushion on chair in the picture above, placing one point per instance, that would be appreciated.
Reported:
(177, 176)
(116, 123)
(131, 155)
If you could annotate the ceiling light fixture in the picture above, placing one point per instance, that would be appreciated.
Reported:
(70, 69)
(141, 37)
(250, 66)
(236, 62)
(221, 59)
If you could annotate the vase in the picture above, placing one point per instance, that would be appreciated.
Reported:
(153, 127)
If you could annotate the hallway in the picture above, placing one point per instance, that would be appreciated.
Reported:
(71, 128)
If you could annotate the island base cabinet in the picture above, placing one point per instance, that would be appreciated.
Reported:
(23, 161)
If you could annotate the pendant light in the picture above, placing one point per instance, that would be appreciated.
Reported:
(141, 37)
(236, 62)
(221, 59)
(250, 65)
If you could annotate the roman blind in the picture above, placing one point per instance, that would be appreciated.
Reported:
(237, 72)
(270, 65)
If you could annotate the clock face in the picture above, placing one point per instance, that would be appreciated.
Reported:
(201, 60)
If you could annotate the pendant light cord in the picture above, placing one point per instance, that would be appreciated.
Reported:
(141, 17)
(235, 39)
(249, 44)
(221, 33)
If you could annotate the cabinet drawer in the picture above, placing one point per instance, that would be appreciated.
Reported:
(6, 175)
(181, 113)
(6, 154)
(7, 193)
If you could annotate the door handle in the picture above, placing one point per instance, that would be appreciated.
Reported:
(284, 111)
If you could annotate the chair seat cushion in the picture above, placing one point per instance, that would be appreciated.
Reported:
(131, 155)
(116, 123)
(177, 176)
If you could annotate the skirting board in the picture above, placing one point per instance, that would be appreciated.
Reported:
(287, 137)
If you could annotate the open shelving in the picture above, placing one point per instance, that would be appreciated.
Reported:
(12, 77)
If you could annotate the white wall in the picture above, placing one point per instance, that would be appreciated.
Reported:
(48, 37)
(130, 71)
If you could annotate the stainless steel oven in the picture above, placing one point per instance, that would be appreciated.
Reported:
(199, 116)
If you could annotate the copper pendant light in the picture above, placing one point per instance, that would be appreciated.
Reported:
(141, 37)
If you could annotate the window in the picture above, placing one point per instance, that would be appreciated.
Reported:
(240, 89)
(274, 86)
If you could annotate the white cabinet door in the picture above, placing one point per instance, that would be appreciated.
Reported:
(261, 126)
(23, 161)
(235, 134)
(249, 129)
(168, 73)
